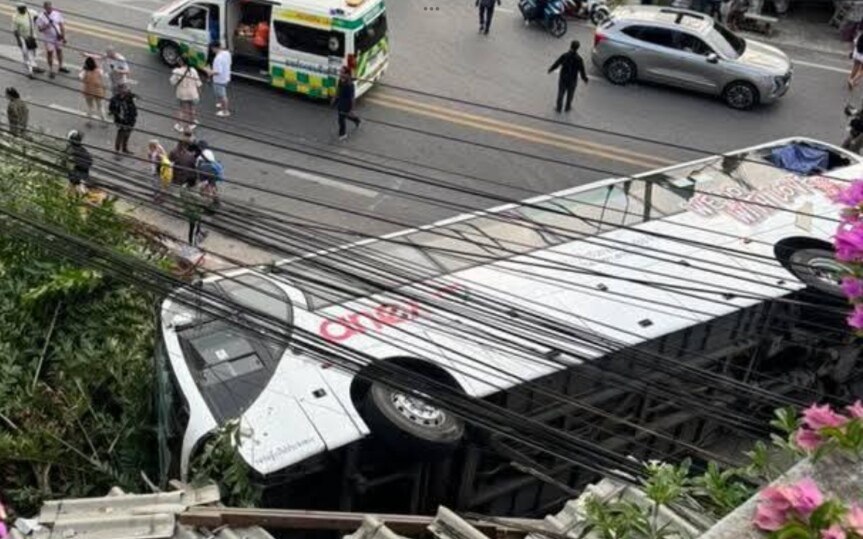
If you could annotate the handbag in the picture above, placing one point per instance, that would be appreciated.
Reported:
(30, 41)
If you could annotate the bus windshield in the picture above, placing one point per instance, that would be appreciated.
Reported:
(369, 35)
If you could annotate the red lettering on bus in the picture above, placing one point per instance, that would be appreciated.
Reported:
(386, 314)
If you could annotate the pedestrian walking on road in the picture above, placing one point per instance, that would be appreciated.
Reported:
(93, 88)
(53, 30)
(122, 107)
(183, 157)
(486, 10)
(118, 69)
(17, 113)
(571, 68)
(187, 84)
(344, 101)
(78, 161)
(220, 73)
(23, 28)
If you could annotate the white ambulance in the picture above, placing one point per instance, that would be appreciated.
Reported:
(296, 45)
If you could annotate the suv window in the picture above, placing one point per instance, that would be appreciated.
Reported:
(651, 34)
(689, 43)
(310, 40)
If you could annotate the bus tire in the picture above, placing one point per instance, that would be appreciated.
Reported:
(814, 263)
(410, 426)
(169, 53)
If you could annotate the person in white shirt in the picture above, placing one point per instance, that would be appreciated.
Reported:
(220, 72)
(51, 26)
(187, 83)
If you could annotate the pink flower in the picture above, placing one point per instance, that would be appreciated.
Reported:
(850, 196)
(768, 518)
(849, 244)
(852, 287)
(817, 417)
(855, 319)
(856, 409)
(805, 497)
(773, 509)
(854, 519)
(807, 440)
(833, 532)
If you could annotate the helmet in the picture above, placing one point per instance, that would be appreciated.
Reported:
(74, 136)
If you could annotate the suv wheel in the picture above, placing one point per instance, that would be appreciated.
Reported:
(619, 70)
(740, 95)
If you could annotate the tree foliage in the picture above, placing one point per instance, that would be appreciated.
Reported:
(75, 351)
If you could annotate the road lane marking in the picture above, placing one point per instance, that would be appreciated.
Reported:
(70, 110)
(94, 31)
(314, 178)
(505, 10)
(820, 66)
(506, 127)
(511, 134)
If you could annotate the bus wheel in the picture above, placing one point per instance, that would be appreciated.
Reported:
(409, 424)
(814, 263)
(819, 269)
(170, 53)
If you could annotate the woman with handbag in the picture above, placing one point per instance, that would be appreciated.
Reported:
(187, 83)
(22, 27)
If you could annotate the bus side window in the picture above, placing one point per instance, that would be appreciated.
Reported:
(310, 40)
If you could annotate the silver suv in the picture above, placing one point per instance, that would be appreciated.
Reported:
(688, 49)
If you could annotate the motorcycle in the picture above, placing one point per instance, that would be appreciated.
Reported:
(552, 18)
(597, 11)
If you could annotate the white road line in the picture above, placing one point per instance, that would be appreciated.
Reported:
(314, 178)
(70, 110)
(820, 66)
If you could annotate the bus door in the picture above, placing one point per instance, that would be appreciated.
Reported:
(306, 53)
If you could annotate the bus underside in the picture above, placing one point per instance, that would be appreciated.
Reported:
(784, 346)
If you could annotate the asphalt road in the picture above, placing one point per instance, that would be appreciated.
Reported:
(278, 148)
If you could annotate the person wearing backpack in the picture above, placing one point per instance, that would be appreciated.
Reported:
(122, 107)
(78, 162)
(187, 83)
(161, 167)
(857, 57)
(210, 172)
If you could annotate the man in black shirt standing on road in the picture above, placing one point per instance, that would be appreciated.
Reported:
(486, 10)
(571, 67)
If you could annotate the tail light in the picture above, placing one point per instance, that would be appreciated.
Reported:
(598, 38)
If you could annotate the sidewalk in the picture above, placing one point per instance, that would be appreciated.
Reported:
(218, 252)
(806, 27)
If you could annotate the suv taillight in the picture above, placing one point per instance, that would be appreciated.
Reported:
(597, 38)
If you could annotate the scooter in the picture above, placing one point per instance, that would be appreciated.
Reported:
(597, 11)
(552, 19)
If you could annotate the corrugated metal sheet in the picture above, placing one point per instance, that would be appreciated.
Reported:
(133, 516)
